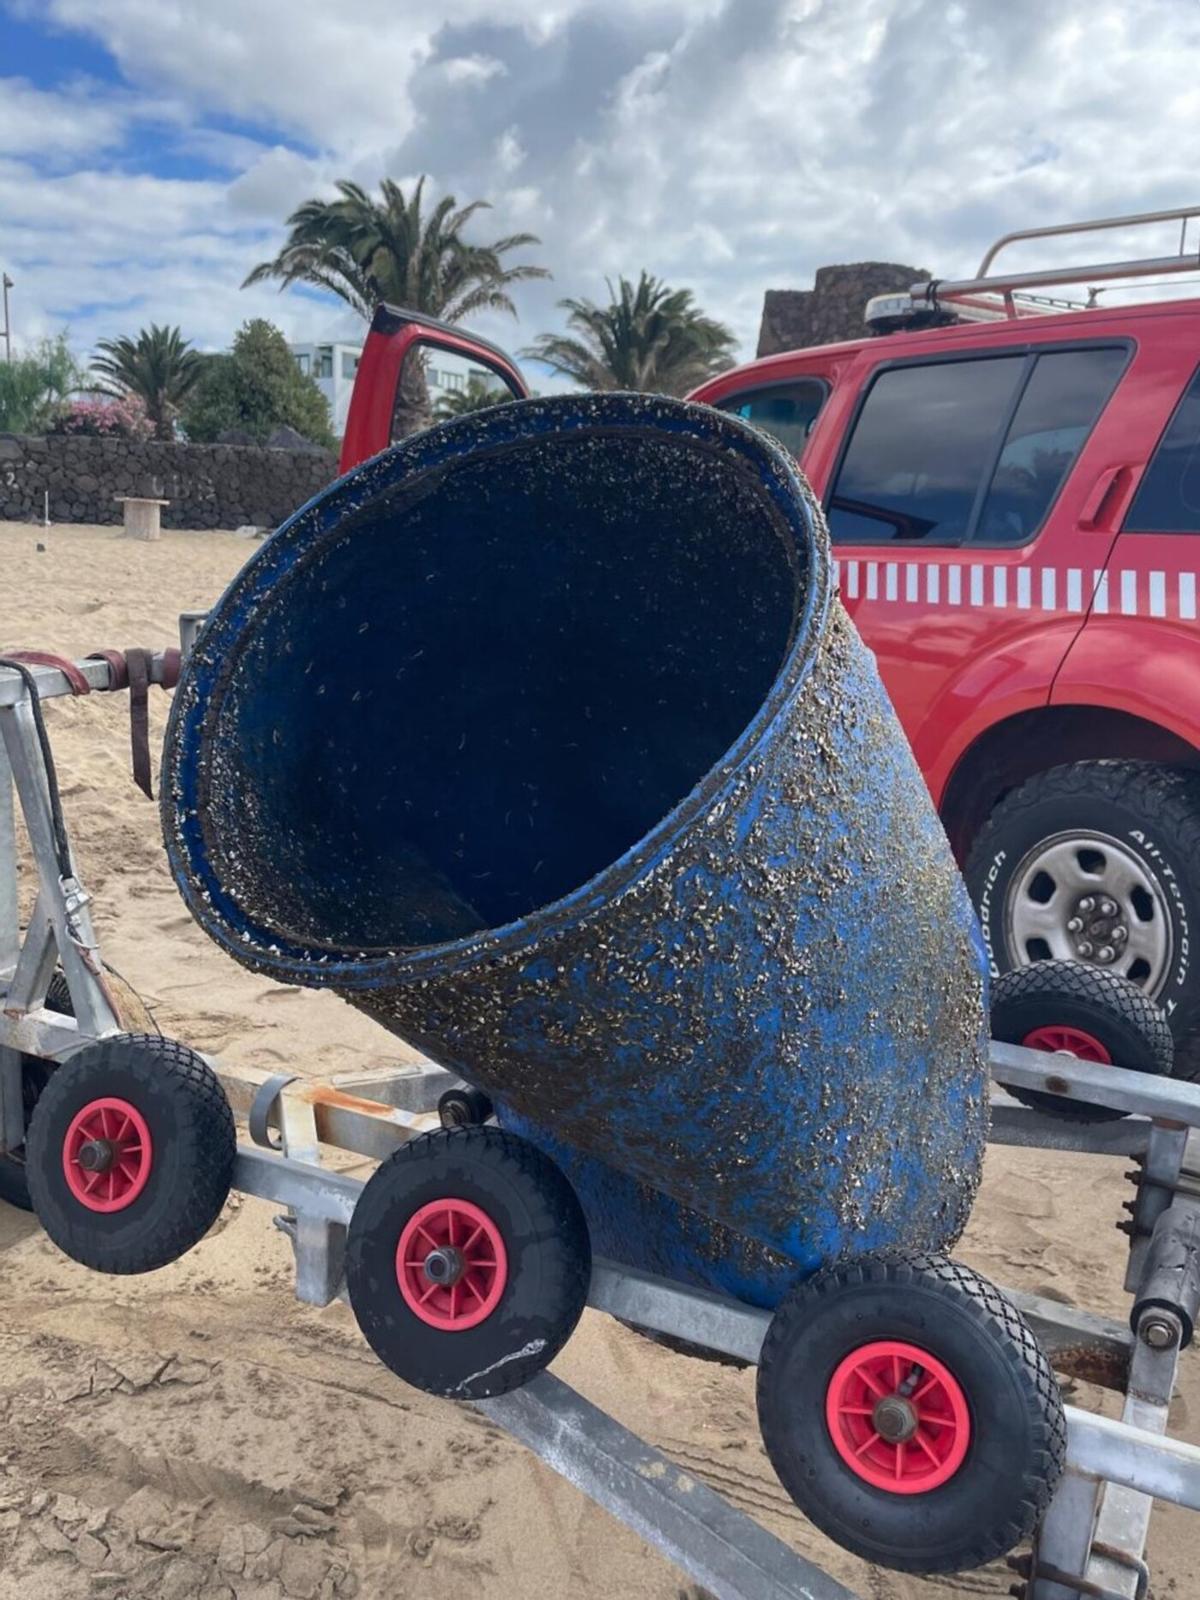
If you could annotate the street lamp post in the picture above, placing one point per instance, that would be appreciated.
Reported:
(8, 283)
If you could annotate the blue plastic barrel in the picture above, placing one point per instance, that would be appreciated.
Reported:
(543, 739)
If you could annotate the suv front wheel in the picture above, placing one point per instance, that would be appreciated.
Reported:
(1099, 862)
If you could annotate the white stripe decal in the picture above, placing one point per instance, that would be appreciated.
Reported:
(837, 574)
(1130, 593)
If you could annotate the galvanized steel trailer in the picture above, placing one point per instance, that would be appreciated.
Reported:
(1091, 1543)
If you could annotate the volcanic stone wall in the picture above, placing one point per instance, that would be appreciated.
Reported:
(833, 308)
(207, 485)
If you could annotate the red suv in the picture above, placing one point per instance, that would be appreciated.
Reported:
(1011, 500)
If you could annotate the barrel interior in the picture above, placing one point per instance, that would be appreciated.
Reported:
(490, 683)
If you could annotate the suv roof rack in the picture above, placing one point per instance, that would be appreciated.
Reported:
(986, 298)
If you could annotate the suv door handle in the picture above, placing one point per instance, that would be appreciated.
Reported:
(1105, 504)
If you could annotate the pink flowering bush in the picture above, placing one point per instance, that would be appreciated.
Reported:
(104, 416)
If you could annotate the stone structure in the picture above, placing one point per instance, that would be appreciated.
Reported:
(832, 309)
(207, 485)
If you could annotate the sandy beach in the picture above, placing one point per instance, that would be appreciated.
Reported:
(197, 1433)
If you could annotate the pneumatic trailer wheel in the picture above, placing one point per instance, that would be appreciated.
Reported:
(468, 1262)
(130, 1153)
(911, 1414)
(1065, 1008)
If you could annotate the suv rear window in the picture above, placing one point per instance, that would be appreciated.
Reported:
(787, 410)
(952, 451)
(1168, 497)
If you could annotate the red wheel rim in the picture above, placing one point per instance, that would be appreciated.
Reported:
(107, 1155)
(1060, 1039)
(451, 1265)
(917, 1403)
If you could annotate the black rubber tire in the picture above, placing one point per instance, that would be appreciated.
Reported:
(194, 1147)
(545, 1237)
(464, 1108)
(35, 1073)
(1018, 1429)
(1154, 811)
(1114, 1011)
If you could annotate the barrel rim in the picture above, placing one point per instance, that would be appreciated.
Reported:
(437, 450)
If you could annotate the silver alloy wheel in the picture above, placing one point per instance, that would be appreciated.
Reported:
(1086, 897)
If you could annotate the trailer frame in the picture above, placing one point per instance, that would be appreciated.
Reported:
(1090, 1544)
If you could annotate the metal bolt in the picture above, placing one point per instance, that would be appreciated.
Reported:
(1159, 1333)
(1087, 904)
(1075, 925)
(1120, 933)
(1108, 908)
(1105, 954)
(1086, 948)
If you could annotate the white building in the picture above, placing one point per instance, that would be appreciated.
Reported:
(333, 366)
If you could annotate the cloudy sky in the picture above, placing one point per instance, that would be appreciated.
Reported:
(151, 149)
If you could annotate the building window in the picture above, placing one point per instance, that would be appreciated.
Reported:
(303, 361)
(324, 365)
(349, 363)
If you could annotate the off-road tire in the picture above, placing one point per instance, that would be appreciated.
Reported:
(1154, 811)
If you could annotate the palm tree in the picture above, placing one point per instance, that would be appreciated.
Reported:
(478, 392)
(366, 251)
(159, 366)
(648, 337)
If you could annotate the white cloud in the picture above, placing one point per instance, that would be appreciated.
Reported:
(472, 69)
(729, 145)
(56, 124)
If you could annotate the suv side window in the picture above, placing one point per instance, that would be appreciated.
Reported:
(1064, 395)
(1168, 497)
(923, 444)
(969, 450)
(787, 411)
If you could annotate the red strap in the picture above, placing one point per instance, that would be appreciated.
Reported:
(118, 676)
(137, 663)
(44, 658)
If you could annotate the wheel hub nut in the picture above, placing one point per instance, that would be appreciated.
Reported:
(97, 1155)
(444, 1266)
(1097, 929)
(894, 1419)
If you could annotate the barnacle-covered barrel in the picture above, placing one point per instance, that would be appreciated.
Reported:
(543, 739)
